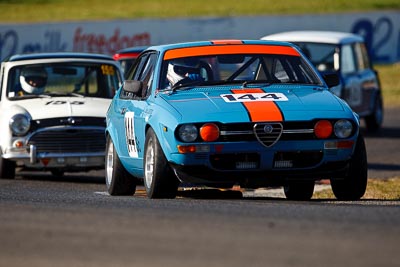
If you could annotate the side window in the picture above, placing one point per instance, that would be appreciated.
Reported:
(362, 56)
(143, 71)
(136, 70)
(347, 59)
(147, 74)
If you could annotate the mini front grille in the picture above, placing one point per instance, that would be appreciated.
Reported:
(69, 140)
(268, 133)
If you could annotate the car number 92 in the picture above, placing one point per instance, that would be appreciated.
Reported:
(253, 97)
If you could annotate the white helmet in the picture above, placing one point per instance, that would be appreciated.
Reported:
(178, 71)
(33, 79)
(173, 76)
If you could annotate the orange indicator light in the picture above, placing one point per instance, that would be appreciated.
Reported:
(323, 129)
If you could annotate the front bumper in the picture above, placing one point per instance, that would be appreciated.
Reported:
(61, 161)
(258, 178)
(250, 165)
(67, 148)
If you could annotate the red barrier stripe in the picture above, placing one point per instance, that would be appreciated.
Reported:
(260, 110)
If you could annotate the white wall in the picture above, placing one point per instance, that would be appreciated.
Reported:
(381, 30)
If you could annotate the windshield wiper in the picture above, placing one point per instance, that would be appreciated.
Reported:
(263, 82)
(180, 85)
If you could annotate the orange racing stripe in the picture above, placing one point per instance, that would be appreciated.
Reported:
(260, 111)
(229, 49)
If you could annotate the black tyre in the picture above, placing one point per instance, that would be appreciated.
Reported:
(374, 121)
(7, 168)
(354, 184)
(299, 190)
(159, 179)
(118, 181)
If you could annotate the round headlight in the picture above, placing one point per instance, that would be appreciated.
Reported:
(19, 124)
(343, 128)
(188, 133)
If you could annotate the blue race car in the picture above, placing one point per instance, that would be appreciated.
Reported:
(220, 113)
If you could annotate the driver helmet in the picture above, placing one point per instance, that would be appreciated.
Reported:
(33, 80)
(178, 71)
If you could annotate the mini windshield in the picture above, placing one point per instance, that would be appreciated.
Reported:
(321, 55)
(237, 68)
(63, 79)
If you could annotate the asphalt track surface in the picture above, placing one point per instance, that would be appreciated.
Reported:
(72, 221)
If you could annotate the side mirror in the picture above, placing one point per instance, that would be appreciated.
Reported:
(331, 79)
(131, 88)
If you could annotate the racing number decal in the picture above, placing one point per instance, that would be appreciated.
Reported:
(260, 105)
(107, 70)
(130, 134)
(250, 97)
(62, 102)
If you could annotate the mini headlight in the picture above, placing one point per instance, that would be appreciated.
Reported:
(20, 124)
(343, 128)
(188, 132)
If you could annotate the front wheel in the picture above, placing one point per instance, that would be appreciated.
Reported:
(159, 179)
(299, 190)
(354, 184)
(374, 121)
(7, 168)
(118, 181)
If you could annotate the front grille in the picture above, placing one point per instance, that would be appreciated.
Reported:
(239, 132)
(268, 133)
(69, 140)
(68, 121)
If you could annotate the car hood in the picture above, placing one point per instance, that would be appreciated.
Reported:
(256, 104)
(42, 108)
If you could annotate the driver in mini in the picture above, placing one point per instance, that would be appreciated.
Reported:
(32, 80)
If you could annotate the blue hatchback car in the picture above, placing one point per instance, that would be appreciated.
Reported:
(221, 113)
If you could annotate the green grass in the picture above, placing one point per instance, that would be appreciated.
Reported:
(383, 189)
(390, 81)
(67, 10)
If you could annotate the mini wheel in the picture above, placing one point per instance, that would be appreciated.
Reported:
(7, 168)
(374, 121)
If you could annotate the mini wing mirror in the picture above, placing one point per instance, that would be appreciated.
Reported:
(331, 79)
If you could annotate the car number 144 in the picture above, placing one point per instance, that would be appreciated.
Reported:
(251, 97)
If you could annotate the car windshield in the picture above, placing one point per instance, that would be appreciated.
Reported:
(237, 68)
(63, 79)
(321, 55)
